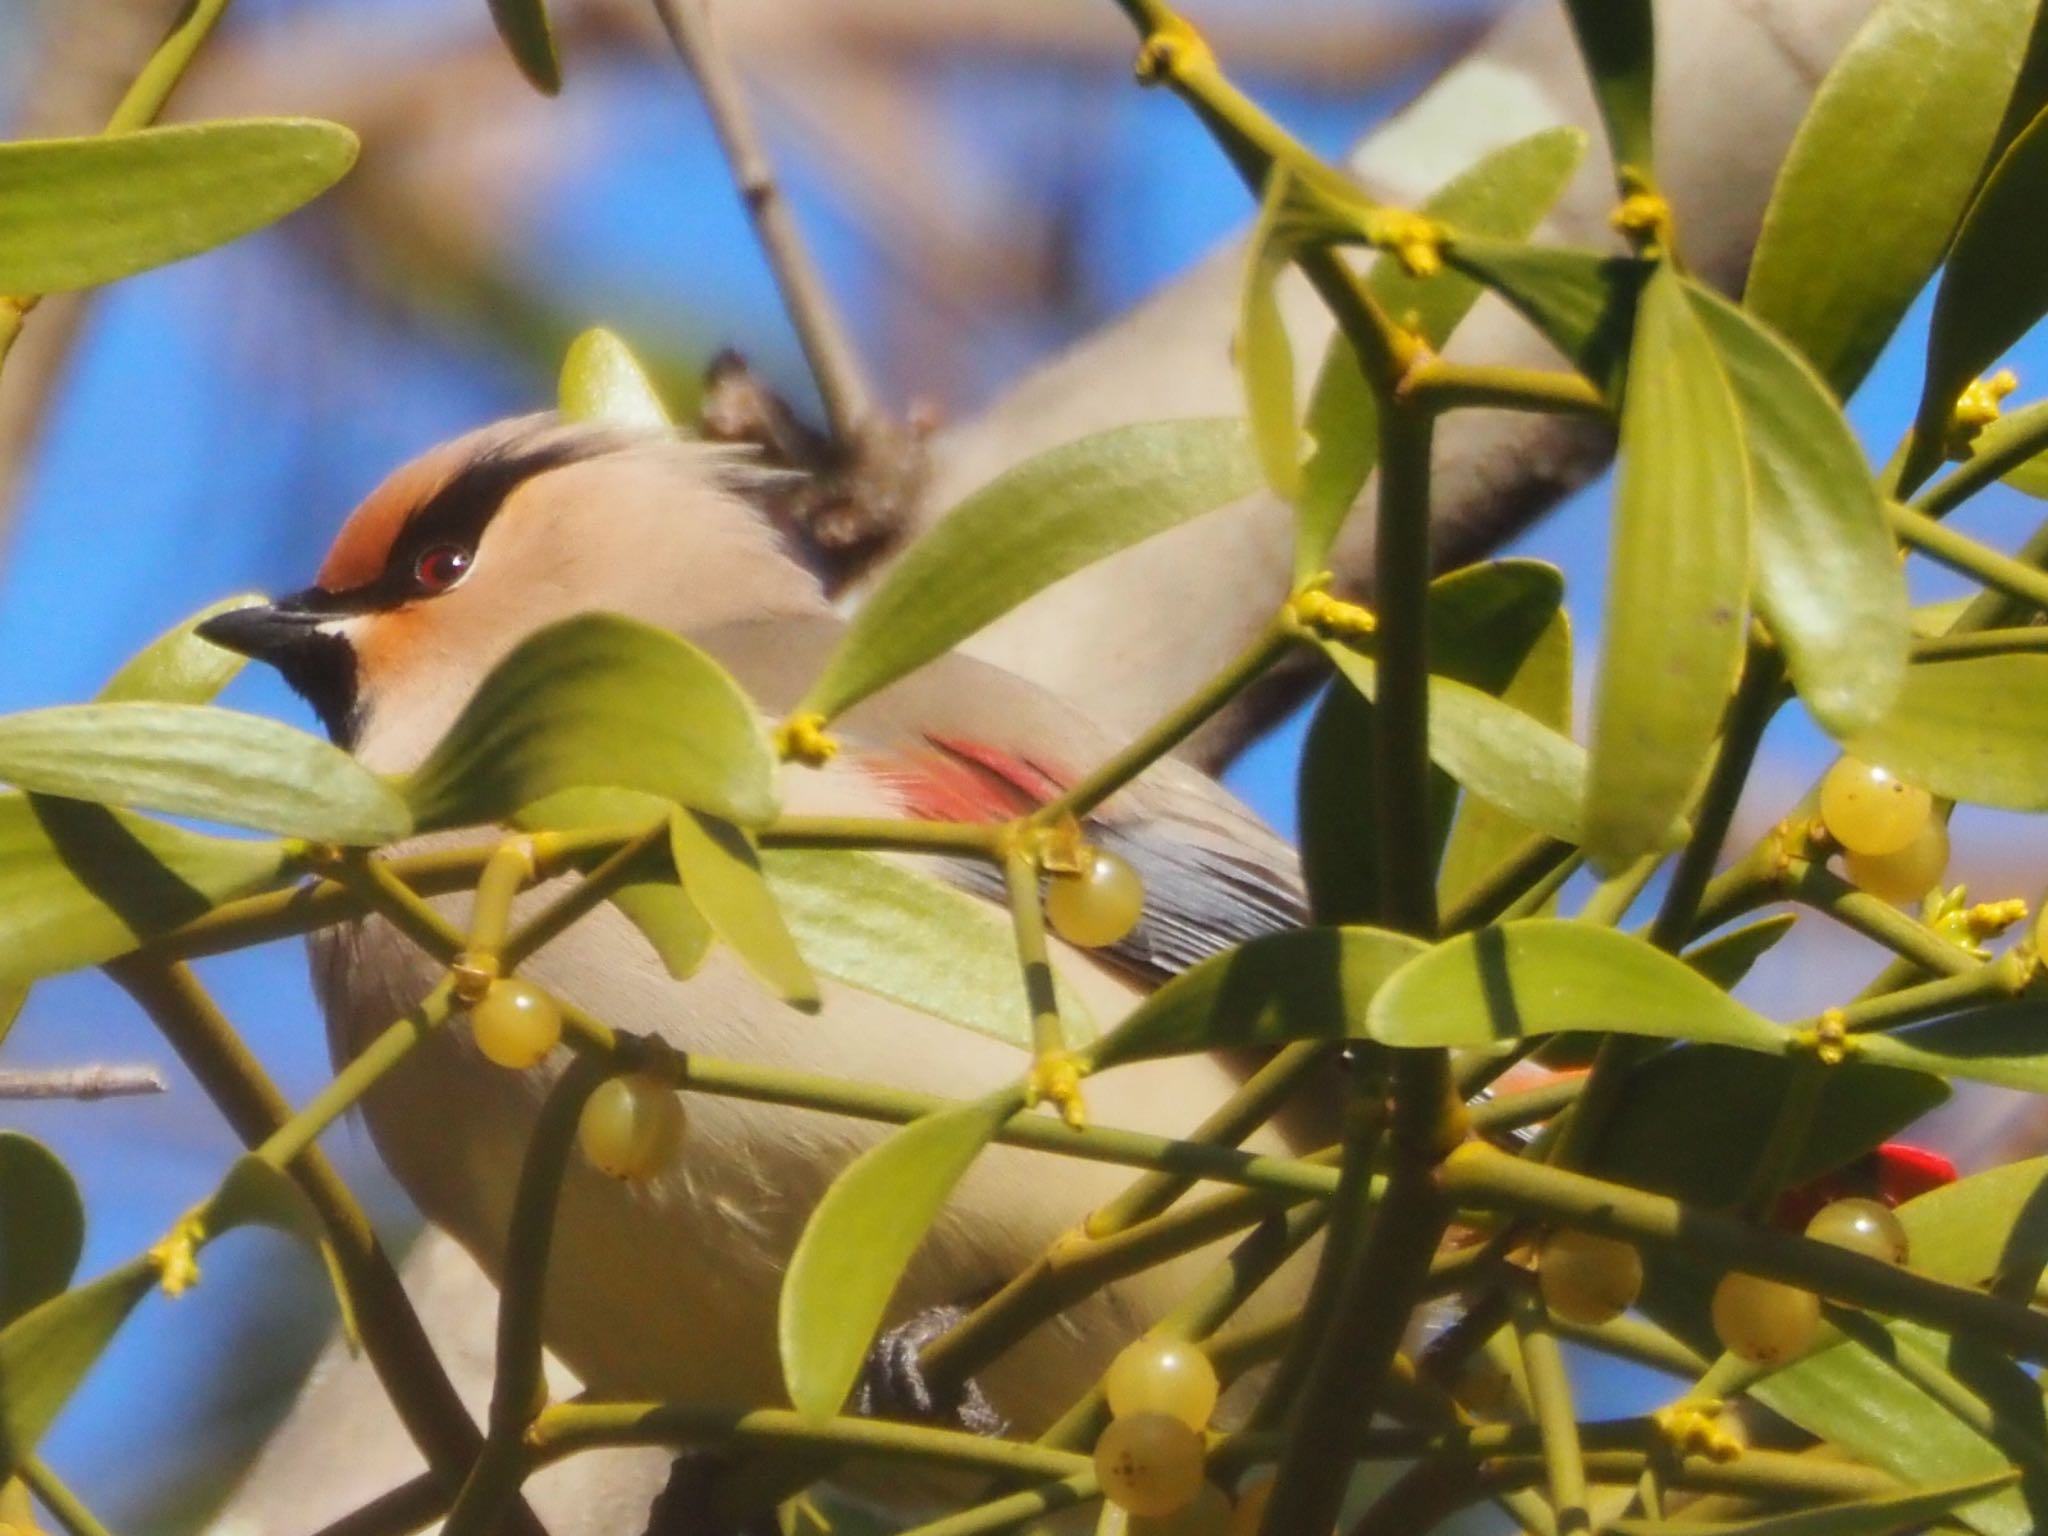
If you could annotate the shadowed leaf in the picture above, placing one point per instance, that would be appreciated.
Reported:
(45, 1353)
(42, 1225)
(1617, 39)
(523, 24)
(721, 872)
(256, 1194)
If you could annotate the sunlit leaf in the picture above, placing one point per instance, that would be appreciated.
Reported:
(45, 1353)
(1852, 1517)
(1505, 196)
(1686, 1124)
(1265, 358)
(523, 24)
(861, 1238)
(80, 884)
(1617, 39)
(86, 211)
(42, 1225)
(1969, 729)
(197, 760)
(911, 938)
(1894, 142)
(1674, 630)
(602, 381)
(178, 667)
(599, 701)
(651, 896)
(256, 1194)
(1547, 975)
(1727, 958)
(1582, 301)
(1043, 520)
(1493, 749)
(721, 873)
(1828, 579)
(1310, 984)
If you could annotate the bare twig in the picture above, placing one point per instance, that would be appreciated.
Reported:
(97, 1081)
(849, 402)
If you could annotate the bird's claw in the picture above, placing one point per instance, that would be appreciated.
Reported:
(893, 1384)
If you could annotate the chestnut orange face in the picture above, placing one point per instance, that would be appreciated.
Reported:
(415, 538)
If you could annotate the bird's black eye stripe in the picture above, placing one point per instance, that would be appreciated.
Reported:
(455, 517)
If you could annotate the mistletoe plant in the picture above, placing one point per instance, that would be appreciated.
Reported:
(1658, 1207)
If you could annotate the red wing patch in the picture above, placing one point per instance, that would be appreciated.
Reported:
(966, 781)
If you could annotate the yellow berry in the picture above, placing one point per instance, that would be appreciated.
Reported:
(632, 1127)
(1762, 1321)
(1150, 1464)
(515, 1023)
(1208, 1515)
(1162, 1376)
(1909, 873)
(1868, 811)
(1097, 905)
(1867, 1227)
(1589, 1279)
(1250, 1512)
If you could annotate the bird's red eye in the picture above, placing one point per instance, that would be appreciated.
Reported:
(440, 566)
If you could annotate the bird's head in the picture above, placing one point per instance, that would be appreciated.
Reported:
(474, 545)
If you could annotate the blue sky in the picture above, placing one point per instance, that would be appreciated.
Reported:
(223, 415)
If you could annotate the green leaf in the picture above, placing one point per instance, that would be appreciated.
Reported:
(603, 381)
(1854, 1517)
(1309, 984)
(1501, 627)
(1727, 958)
(1583, 302)
(651, 898)
(45, 1353)
(523, 24)
(1339, 835)
(721, 872)
(1686, 1125)
(1034, 524)
(1969, 729)
(1674, 630)
(861, 1238)
(1617, 39)
(1493, 749)
(1999, 1044)
(1894, 142)
(42, 1225)
(599, 701)
(1828, 579)
(81, 884)
(86, 211)
(256, 1194)
(1993, 289)
(1265, 359)
(1545, 975)
(12, 998)
(905, 936)
(197, 760)
(1505, 195)
(178, 667)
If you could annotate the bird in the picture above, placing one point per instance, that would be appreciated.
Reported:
(666, 1289)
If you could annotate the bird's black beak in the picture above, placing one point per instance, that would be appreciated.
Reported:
(319, 664)
(270, 632)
